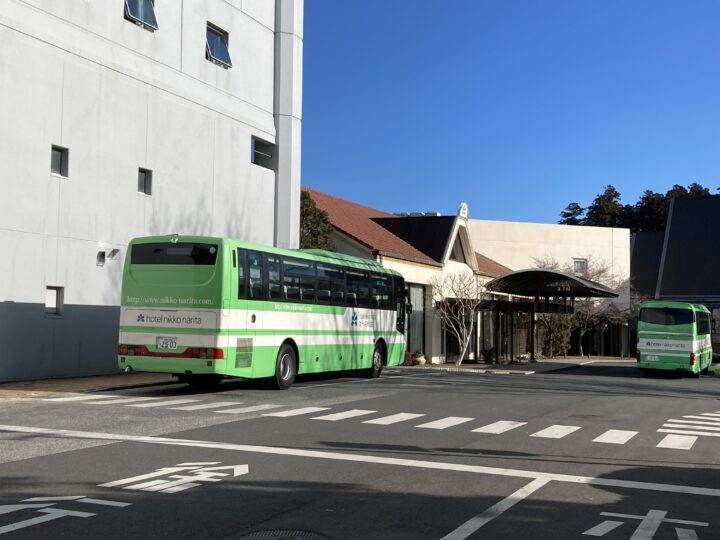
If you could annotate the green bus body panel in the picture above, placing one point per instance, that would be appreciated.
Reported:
(668, 347)
(206, 297)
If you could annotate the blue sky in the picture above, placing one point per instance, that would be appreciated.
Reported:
(517, 107)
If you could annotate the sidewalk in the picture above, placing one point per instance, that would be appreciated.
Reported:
(119, 381)
(525, 367)
(95, 383)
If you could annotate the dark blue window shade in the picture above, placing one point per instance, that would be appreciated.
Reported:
(141, 11)
(217, 46)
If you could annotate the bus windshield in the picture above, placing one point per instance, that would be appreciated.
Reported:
(666, 316)
(178, 253)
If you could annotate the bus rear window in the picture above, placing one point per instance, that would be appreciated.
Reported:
(180, 253)
(666, 316)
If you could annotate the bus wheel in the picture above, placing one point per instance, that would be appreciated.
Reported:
(377, 362)
(285, 368)
(204, 383)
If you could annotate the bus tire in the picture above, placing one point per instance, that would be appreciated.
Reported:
(378, 360)
(285, 368)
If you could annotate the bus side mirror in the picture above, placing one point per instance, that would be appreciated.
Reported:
(408, 308)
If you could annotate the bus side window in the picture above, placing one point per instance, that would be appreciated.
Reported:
(703, 323)
(255, 275)
(242, 273)
(358, 285)
(275, 290)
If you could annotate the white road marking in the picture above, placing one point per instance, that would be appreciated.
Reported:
(686, 534)
(343, 415)
(705, 416)
(393, 419)
(499, 427)
(470, 527)
(677, 442)
(251, 408)
(699, 428)
(297, 412)
(78, 398)
(122, 400)
(104, 502)
(555, 432)
(604, 528)
(689, 432)
(445, 423)
(164, 403)
(207, 406)
(706, 422)
(615, 436)
(363, 458)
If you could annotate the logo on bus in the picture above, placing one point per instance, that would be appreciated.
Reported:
(354, 319)
(141, 318)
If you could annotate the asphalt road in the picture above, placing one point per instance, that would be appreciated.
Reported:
(595, 451)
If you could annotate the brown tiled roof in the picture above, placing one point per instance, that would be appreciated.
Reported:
(359, 222)
(356, 221)
(489, 267)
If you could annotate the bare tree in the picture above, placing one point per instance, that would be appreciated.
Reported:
(456, 298)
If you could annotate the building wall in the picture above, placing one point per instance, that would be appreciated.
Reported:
(119, 97)
(517, 245)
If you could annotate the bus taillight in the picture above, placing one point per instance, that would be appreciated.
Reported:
(692, 359)
(207, 352)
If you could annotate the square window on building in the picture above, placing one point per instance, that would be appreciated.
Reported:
(145, 181)
(262, 153)
(59, 158)
(142, 13)
(580, 267)
(216, 49)
(53, 300)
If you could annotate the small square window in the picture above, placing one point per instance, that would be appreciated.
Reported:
(145, 181)
(216, 49)
(53, 300)
(580, 267)
(262, 153)
(142, 13)
(59, 158)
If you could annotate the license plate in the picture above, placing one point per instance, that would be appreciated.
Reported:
(166, 343)
(652, 357)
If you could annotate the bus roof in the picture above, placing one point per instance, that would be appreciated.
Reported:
(308, 254)
(677, 304)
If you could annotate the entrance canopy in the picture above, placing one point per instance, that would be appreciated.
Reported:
(545, 283)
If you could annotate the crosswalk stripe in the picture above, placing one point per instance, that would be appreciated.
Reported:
(207, 406)
(555, 432)
(707, 418)
(297, 412)
(121, 401)
(615, 436)
(445, 423)
(343, 415)
(699, 428)
(393, 419)
(677, 442)
(79, 398)
(163, 403)
(694, 422)
(689, 432)
(499, 427)
(251, 408)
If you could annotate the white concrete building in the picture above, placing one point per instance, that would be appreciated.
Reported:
(127, 119)
(520, 245)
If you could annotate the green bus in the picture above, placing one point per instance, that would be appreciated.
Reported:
(674, 336)
(206, 308)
